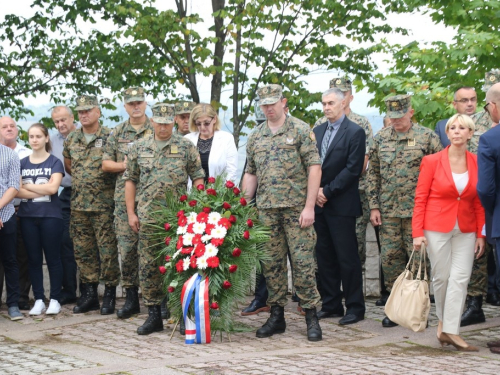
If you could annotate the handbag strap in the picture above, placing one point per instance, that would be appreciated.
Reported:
(423, 255)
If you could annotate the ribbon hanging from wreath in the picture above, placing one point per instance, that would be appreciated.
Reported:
(198, 331)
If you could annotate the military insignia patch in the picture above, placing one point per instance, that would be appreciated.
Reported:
(186, 104)
(289, 141)
(174, 149)
(98, 142)
(81, 100)
(134, 92)
(163, 109)
(338, 82)
(312, 136)
(492, 78)
(394, 104)
(412, 142)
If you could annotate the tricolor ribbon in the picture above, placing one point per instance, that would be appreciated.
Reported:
(199, 330)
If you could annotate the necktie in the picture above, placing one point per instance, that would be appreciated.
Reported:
(326, 142)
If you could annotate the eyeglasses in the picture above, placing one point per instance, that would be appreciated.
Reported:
(486, 106)
(466, 100)
(205, 124)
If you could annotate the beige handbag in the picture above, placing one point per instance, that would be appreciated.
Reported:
(409, 303)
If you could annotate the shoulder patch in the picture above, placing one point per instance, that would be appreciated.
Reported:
(312, 136)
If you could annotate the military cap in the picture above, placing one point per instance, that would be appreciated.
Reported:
(134, 94)
(163, 113)
(270, 94)
(398, 106)
(342, 83)
(490, 78)
(184, 107)
(85, 102)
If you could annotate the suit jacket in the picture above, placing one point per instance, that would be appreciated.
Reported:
(488, 187)
(437, 202)
(341, 168)
(440, 130)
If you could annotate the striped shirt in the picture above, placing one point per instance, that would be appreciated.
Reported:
(10, 176)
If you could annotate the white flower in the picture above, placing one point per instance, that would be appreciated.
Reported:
(181, 230)
(210, 250)
(214, 217)
(206, 238)
(201, 263)
(187, 239)
(192, 217)
(185, 263)
(219, 232)
(175, 254)
(199, 228)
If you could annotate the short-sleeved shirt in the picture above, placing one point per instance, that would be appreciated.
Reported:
(280, 162)
(157, 172)
(9, 178)
(39, 174)
(92, 189)
(120, 140)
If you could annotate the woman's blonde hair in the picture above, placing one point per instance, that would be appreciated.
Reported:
(201, 110)
(463, 120)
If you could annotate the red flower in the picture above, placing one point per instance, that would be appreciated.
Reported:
(180, 266)
(211, 180)
(190, 228)
(211, 192)
(192, 262)
(233, 268)
(166, 226)
(236, 252)
(208, 228)
(167, 258)
(162, 269)
(167, 241)
(180, 213)
(170, 289)
(243, 201)
(223, 222)
(214, 305)
(183, 198)
(192, 203)
(226, 205)
(250, 223)
(217, 241)
(196, 239)
(179, 243)
(229, 184)
(232, 219)
(213, 262)
(202, 217)
(226, 284)
(236, 191)
(200, 187)
(182, 221)
(187, 250)
(199, 250)
(206, 210)
(246, 235)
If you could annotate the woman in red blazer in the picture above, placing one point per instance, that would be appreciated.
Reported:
(448, 218)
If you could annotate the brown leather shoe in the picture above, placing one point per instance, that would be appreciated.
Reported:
(495, 349)
(493, 344)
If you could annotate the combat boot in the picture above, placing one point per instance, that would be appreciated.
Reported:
(131, 305)
(89, 300)
(313, 329)
(108, 300)
(473, 314)
(153, 323)
(83, 286)
(275, 324)
(165, 314)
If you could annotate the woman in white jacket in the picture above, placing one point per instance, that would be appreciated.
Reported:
(217, 149)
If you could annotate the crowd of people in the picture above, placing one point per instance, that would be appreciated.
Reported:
(316, 189)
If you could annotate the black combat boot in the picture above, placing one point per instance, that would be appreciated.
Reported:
(108, 300)
(182, 326)
(83, 286)
(153, 323)
(275, 324)
(131, 305)
(165, 314)
(473, 314)
(89, 300)
(313, 329)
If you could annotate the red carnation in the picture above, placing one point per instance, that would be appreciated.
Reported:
(223, 222)
(167, 258)
(226, 284)
(167, 241)
(213, 262)
(211, 192)
(170, 289)
(180, 213)
(187, 250)
(236, 191)
(202, 217)
(229, 184)
(246, 235)
(226, 206)
(243, 201)
(167, 226)
(192, 203)
(214, 305)
(217, 241)
(180, 266)
(183, 198)
(196, 239)
(207, 210)
(232, 219)
(192, 262)
(211, 180)
(179, 243)
(162, 269)
(199, 250)
(208, 228)
(182, 221)
(236, 252)
(190, 228)
(200, 187)
(233, 268)
(250, 223)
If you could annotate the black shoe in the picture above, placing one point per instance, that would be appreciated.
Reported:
(83, 286)
(275, 324)
(382, 301)
(88, 301)
(67, 300)
(165, 314)
(493, 299)
(108, 300)
(313, 329)
(153, 323)
(473, 314)
(182, 327)
(255, 307)
(330, 314)
(131, 305)
(431, 297)
(350, 319)
(23, 305)
(388, 323)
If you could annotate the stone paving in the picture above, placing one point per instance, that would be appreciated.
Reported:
(95, 344)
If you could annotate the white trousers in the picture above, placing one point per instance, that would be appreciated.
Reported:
(451, 255)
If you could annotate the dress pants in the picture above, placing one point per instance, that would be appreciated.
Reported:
(451, 255)
(67, 251)
(8, 239)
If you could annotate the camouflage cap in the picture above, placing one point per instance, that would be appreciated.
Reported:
(270, 94)
(342, 83)
(163, 113)
(398, 106)
(85, 102)
(184, 107)
(134, 94)
(490, 78)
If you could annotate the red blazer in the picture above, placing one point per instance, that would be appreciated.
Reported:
(437, 202)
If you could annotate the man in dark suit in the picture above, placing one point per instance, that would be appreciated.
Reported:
(342, 149)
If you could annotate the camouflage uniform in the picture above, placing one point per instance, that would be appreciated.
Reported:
(183, 108)
(92, 207)
(391, 183)
(280, 162)
(157, 172)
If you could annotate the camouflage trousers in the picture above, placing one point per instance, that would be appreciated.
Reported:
(150, 278)
(397, 245)
(94, 242)
(478, 283)
(361, 224)
(127, 241)
(286, 235)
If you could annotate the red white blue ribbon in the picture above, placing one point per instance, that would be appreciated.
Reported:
(199, 330)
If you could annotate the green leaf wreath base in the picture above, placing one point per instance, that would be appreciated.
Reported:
(245, 233)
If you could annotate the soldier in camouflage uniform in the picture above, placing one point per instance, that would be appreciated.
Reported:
(344, 84)
(283, 167)
(391, 182)
(182, 112)
(114, 160)
(92, 208)
(156, 166)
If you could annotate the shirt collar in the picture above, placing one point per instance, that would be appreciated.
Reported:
(336, 124)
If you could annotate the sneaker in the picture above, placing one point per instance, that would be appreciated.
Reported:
(54, 307)
(39, 308)
(14, 313)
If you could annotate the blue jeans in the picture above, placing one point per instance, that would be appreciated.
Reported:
(8, 239)
(42, 235)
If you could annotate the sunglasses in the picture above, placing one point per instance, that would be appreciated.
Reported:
(205, 124)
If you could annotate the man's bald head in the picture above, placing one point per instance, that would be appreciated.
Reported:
(493, 102)
(8, 131)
